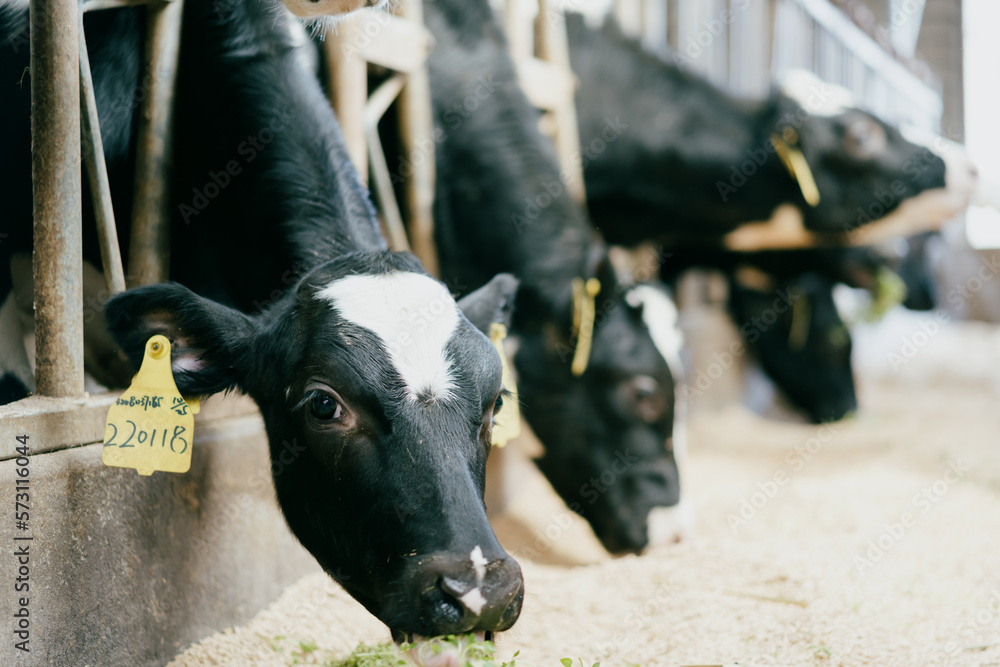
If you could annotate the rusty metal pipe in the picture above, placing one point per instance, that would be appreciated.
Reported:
(149, 248)
(97, 175)
(55, 170)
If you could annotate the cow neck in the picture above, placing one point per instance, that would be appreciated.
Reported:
(680, 138)
(502, 203)
(312, 188)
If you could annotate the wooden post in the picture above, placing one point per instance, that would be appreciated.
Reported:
(553, 47)
(416, 129)
(347, 81)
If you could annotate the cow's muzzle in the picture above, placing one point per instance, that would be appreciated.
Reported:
(454, 593)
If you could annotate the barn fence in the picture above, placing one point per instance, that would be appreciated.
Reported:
(153, 563)
(64, 126)
(744, 45)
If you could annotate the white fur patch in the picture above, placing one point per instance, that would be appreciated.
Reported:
(473, 601)
(816, 96)
(478, 563)
(660, 316)
(669, 525)
(666, 525)
(413, 315)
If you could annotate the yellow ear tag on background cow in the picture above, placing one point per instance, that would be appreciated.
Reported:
(507, 422)
(151, 427)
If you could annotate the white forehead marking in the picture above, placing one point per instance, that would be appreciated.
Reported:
(413, 315)
(814, 95)
(473, 601)
(478, 563)
(660, 316)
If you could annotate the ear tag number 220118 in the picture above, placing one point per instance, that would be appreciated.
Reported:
(151, 427)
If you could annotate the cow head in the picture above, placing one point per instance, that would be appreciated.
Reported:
(863, 168)
(608, 432)
(378, 396)
(796, 331)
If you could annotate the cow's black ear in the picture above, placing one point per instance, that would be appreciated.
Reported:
(493, 302)
(209, 342)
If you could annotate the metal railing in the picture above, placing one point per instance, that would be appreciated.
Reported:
(64, 126)
(744, 45)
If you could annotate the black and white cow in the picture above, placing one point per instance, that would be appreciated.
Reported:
(363, 366)
(696, 162)
(696, 168)
(501, 205)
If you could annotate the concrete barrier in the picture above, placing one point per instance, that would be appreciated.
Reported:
(129, 570)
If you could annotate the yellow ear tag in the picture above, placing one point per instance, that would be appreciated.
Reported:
(151, 426)
(507, 422)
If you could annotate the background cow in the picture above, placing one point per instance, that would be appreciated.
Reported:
(501, 205)
(697, 164)
(696, 161)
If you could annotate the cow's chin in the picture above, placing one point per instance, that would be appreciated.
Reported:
(307, 9)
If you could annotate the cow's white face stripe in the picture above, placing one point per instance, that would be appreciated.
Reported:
(659, 314)
(413, 315)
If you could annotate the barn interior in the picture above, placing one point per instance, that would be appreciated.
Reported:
(814, 527)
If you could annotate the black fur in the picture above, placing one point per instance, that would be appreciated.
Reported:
(386, 492)
(672, 171)
(491, 162)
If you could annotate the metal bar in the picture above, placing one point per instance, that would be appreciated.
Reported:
(381, 185)
(149, 250)
(55, 169)
(416, 129)
(97, 174)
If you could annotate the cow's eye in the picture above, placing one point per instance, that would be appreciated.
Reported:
(498, 404)
(864, 139)
(325, 407)
(644, 398)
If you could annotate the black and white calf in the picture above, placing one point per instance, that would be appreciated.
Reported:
(502, 205)
(696, 162)
(362, 365)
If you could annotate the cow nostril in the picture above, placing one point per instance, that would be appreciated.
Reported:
(973, 171)
(446, 606)
(453, 587)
